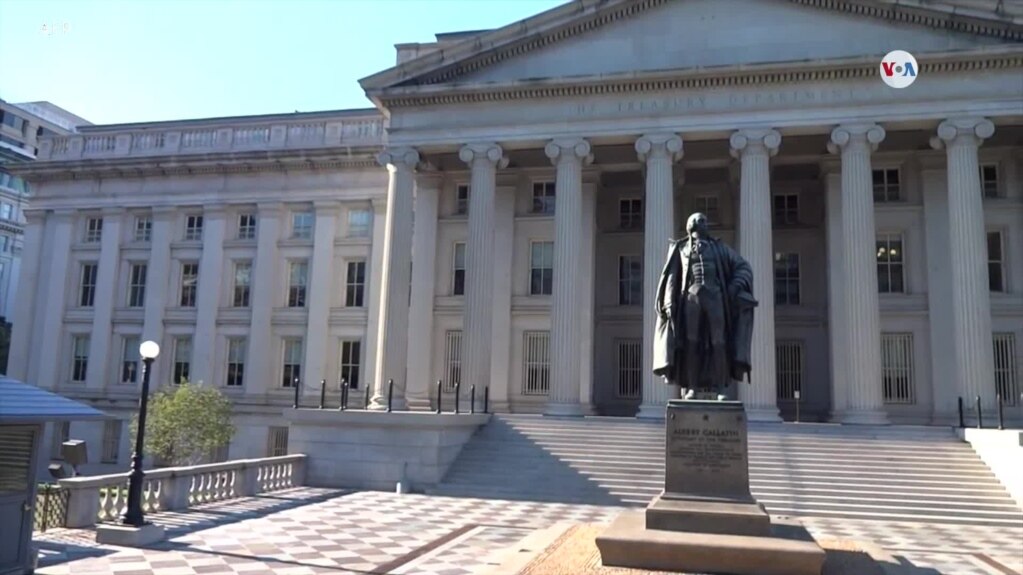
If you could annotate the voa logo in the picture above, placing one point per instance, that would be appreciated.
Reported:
(898, 69)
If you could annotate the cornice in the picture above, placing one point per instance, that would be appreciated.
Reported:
(758, 75)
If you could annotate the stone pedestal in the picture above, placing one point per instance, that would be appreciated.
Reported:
(127, 535)
(706, 519)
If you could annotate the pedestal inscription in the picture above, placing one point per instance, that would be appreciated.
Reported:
(706, 451)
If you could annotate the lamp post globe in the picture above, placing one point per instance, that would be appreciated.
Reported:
(133, 514)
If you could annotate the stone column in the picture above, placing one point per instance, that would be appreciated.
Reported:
(483, 160)
(864, 398)
(260, 352)
(501, 328)
(211, 270)
(836, 289)
(420, 321)
(24, 319)
(321, 291)
(54, 292)
(971, 298)
(569, 156)
(588, 220)
(392, 334)
(157, 280)
(373, 294)
(659, 152)
(754, 149)
(103, 303)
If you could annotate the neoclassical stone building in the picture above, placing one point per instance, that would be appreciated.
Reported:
(502, 215)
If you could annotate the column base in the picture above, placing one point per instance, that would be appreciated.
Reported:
(862, 417)
(652, 410)
(417, 404)
(763, 414)
(379, 403)
(565, 409)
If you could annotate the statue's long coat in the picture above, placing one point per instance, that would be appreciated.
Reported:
(669, 337)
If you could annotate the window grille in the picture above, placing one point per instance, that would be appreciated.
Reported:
(452, 359)
(277, 442)
(897, 368)
(537, 357)
(789, 368)
(630, 371)
(1006, 368)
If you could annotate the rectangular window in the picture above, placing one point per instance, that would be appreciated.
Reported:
(786, 209)
(302, 225)
(537, 358)
(630, 371)
(5, 244)
(462, 199)
(989, 180)
(458, 273)
(630, 280)
(298, 277)
(897, 368)
(292, 370)
(788, 367)
(452, 359)
(137, 285)
(786, 279)
(130, 359)
(350, 367)
(143, 228)
(87, 289)
(247, 226)
(359, 222)
(1006, 369)
(541, 268)
(79, 357)
(242, 284)
(111, 440)
(193, 228)
(543, 197)
(708, 206)
(355, 284)
(93, 230)
(886, 186)
(5, 210)
(189, 283)
(235, 362)
(630, 214)
(182, 358)
(890, 264)
(995, 262)
(277, 442)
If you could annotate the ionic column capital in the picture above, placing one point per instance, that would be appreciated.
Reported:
(659, 146)
(754, 141)
(399, 158)
(852, 135)
(963, 131)
(568, 150)
(484, 152)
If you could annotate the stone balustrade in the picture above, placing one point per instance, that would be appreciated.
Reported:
(104, 497)
(213, 138)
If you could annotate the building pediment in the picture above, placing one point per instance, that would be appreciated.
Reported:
(588, 39)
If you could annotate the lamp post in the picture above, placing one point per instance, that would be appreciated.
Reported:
(133, 514)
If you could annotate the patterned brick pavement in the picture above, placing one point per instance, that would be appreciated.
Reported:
(309, 531)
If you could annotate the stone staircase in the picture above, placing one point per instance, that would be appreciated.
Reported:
(922, 474)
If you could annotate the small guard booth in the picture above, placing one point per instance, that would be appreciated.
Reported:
(24, 410)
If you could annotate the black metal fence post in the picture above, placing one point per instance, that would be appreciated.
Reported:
(295, 384)
(323, 392)
(486, 399)
(440, 395)
(1001, 418)
(342, 386)
(458, 394)
(472, 398)
(980, 416)
(390, 393)
(962, 420)
(365, 403)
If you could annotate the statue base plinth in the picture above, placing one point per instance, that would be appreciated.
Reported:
(720, 517)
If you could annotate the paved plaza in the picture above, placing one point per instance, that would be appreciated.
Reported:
(307, 531)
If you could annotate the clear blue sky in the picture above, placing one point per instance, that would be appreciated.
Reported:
(141, 60)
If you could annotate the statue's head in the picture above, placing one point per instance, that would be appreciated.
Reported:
(697, 224)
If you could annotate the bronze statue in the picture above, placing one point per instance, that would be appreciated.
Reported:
(704, 314)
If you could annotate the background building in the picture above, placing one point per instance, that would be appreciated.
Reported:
(546, 165)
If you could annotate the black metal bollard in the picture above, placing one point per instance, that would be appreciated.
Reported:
(390, 393)
(1001, 418)
(343, 386)
(295, 385)
(472, 398)
(323, 392)
(980, 416)
(440, 395)
(458, 394)
(486, 399)
(962, 420)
